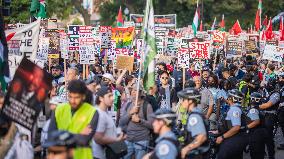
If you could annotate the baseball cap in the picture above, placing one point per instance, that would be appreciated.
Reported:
(60, 138)
(109, 76)
(56, 67)
(103, 91)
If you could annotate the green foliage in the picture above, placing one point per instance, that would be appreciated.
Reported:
(20, 12)
(77, 21)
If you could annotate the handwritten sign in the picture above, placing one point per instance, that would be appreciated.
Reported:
(105, 36)
(183, 58)
(73, 37)
(125, 62)
(87, 55)
(199, 50)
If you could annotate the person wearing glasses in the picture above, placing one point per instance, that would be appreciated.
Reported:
(166, 94)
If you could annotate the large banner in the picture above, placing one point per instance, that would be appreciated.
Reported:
(163, 21)
(123, 36)
(22, 42)
(26, 94)
(273, 53)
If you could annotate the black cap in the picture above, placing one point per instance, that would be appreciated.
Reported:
(103, 91)
(60, 138)
(225, 70)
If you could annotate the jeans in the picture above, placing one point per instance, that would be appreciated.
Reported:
(137, 150)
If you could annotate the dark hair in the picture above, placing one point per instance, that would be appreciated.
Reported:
(271, 67)
(247, 77)
(189, 83)
(164, 72)
(2, 94)
(163, 64)
(215, 79)
(77, 86)
(89, 97)
(101, 92)
(128, 78)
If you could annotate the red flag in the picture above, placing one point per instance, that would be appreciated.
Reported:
(236, 29)
(257, 21)
(201, 26)
(119, 20)
(264, 23)
(269, 33)
(281, 30)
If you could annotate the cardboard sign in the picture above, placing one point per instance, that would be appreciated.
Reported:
(105, 36)
(73, 37)
(123, 36)
(183, 58)
(26, 94)
(125, 62)
(234, 48)
(199, 50)
(273, 53)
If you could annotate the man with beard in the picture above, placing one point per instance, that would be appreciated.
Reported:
(56, 72)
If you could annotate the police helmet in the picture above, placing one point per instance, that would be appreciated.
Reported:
(60, 139)
(166, 115)
(236, 95)
(190, 93)
(255, 98)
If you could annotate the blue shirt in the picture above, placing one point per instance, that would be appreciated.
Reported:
(165, 149)
(234, 115)
(253, 114)
(195, 124)
(274, 98)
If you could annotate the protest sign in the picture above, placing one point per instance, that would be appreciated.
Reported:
(53, 51)
(125, 62)
(111, 53)
(139, 49)
(164, 21)
(26, 94)
(234, 48)
(281, 44)
(22, 42)
(123, 37)
(97, 46)
(250, 47)
(171, 46)
(86, 35)
(273, 53)
(87, 55)
(160, 34)
(63, 45)
(183, 58)
(199, 50)
(119, 51)
(73, 37)
(218, 39)
(42, 53)
(271, 42)
(127, 24)
(164, 59)
(105, 36)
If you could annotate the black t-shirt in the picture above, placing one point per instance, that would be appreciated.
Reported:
(162, 96)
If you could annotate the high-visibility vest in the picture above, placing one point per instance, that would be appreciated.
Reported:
(75, 124)
(247, 96)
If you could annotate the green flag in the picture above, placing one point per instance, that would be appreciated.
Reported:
(38, 9)
(150, 49)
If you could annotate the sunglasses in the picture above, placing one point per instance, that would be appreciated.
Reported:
(165, 78)
(105, 79)
(255, 99)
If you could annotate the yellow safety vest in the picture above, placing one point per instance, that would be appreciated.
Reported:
(75, 124)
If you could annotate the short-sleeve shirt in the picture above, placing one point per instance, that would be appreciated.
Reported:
(274, 98)
(206, 99)
(166, 149)
(253, 114)
(195, 124)
(234, 115)
(105, 125)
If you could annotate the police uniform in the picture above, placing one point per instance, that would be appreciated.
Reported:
(166, 147)
(281, 111)
(270, 122)
(233, 147)
(256, 140)
(196, 126)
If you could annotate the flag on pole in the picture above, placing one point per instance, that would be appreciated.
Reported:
(195, 20)
(222, 24)
(236, 28)
(269, 33)
(4, 67)
(150, 50)
(201, 26)
(264, 23)
(213, 25)
(38, 9)
(281, 29)
(119, 21)
(257, 20)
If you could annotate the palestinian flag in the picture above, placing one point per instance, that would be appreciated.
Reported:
(38, 9)
(119, 21)
(195, 21)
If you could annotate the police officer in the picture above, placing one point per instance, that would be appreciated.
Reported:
(281, 107)
(270, 106)
(256, 131)
(233, 140)
(167, 144)
(196, 140)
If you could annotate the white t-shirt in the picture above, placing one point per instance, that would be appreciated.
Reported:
(107, 126)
